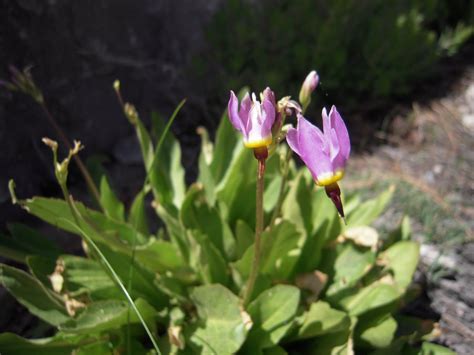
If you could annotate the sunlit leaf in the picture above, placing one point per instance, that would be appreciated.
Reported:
(105, 315)
(221, 328)
(272, 313)
(137, 215)
(402, 259)
(109, 201)
(322, 319)
(368, 211)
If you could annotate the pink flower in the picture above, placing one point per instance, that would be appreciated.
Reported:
(324, 153)
(254, 119)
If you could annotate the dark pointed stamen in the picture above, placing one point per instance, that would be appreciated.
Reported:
(334, 193)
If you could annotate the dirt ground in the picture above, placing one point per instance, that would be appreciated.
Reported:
(430, 158)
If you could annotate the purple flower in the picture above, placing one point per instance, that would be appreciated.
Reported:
(254, 119)
(324, 153)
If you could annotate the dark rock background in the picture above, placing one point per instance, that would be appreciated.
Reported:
(77, 50)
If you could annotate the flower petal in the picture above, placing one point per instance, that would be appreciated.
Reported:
(268, 116)
(269, 95)
(292, 140)
(339, 126)
(311, 143)
(245, 106)
(326, 131)
(233, 111)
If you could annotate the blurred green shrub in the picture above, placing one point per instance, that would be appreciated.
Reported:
(367, 51)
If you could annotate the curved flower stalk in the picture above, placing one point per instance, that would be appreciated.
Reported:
(324, 153)
(255, 120)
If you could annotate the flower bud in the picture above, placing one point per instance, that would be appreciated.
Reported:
(309, 84)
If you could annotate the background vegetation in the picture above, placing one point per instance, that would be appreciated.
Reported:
(367, 52)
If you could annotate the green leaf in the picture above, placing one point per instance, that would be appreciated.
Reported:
(402, 258)
(275, 350)
(141, 278)
(377, 332)
(237, 188)
(280, 251)
(167, 175)
(244, 237)
(370, 210)
(208, 259)
(33, 295)
(176, 232)
(86, 275)
(339, 343)
(347, 265)
(197, 214)
(272, 313)
(371, 297)
(159, 256)
(107, 315)
(109, 201)
(146, 145)
(270, 196)
(321, 319)
(326, 226)
(26, 241)
(435, 349)
(12, 344)
(297, 204)
(236, 191)
(221, 328)
(206, 177)
(102, 228)
(104, 347)
(137, 215)
(41, 267)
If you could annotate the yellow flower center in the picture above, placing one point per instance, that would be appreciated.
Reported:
(330, 178)
(263, 142)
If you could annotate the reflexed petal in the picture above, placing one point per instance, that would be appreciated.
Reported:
(326, 132)
(326, 124)
(334, 144)
(268, 117)
(292, 140)
(339, 126)
(311, 144)
(337, 160)
(253, 123)
(268, 94)
(233, 111)
(245, 106)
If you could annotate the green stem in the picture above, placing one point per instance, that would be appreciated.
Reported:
(130, 286)
(281, 193)
(85, 173)
(258, 231)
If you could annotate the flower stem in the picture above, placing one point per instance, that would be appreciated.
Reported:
(258, 231)
(82, 168)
